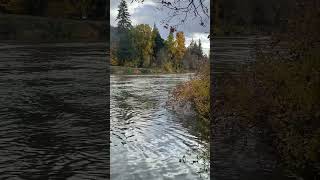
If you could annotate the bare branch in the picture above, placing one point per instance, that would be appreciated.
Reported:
(180, 9)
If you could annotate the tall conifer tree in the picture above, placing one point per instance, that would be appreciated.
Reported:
(124, 22)
(158, 41)
(200, 52)
(125, 52)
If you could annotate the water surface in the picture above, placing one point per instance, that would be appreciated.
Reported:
(53, 117)
(148, 140)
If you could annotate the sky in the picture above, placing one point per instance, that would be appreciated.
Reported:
(152, 12)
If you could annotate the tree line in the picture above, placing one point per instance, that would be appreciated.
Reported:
(75, 9)
(142, 46)
(234, 15)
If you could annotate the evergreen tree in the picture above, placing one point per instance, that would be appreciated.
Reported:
(170, 45)
(158, 42)
(124, 22)
(193, 56)
(126, 51)
(193, 47)
(191, 43)
(199, 49)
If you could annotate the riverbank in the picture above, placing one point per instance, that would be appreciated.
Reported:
(44, 29)
(265, 117)
(123, 70)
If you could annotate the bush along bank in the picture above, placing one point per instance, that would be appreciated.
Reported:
(280, 94)
(196, 93)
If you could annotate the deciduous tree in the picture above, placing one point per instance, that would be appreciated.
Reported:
(180, 49)
(170, 44)
(142, 40)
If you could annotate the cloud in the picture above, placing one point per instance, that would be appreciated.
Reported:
(205, 42)
(133, 8)
(151, 11)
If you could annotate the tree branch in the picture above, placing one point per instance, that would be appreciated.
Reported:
(182, 9)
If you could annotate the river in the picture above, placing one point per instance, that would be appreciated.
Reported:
(53, 118)
(148, 140)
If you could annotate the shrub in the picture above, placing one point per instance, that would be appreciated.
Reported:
(168, 67)
(114, 60)
(283, 98)
(197, 93)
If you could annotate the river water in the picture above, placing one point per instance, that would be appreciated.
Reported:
(148, 140)
(53, 117)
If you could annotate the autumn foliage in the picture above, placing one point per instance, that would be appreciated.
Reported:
(280, 94)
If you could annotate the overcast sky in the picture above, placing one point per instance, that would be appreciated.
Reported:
(151, 11)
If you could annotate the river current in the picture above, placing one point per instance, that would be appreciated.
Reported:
(148, 139)
(53, 118)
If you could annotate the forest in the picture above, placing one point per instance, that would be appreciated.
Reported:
(142, 46)
(73, 9)
(232, 17)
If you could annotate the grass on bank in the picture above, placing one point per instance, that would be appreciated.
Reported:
(127, 70)
(196, 92)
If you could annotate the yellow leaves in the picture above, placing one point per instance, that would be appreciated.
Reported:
(197, 92)
(114, 61)
(142, 39)
(171, 44)
(168, 67)
(180, 46)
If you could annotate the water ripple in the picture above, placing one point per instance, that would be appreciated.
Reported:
(52, 112)
(147, 140)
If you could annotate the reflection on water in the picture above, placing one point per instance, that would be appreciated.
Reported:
(52, 111)
(148, 141)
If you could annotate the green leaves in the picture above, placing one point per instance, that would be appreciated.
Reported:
(142, 40)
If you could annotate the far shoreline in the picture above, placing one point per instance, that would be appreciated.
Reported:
(125, 70)
(27, 28)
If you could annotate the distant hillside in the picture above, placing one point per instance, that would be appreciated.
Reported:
(92, 9)
(248, 16)
(32, 28)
